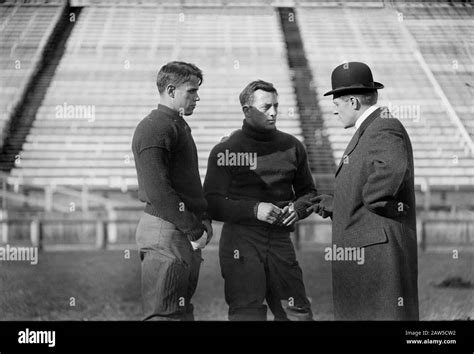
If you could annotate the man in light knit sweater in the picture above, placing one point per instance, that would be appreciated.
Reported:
(259, 183)
(170, 185)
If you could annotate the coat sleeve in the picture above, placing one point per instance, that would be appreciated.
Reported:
(216, 184)
(388, 169)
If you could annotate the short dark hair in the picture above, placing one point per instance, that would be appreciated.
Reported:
(176, 73)
(367, 98)
(246, 96)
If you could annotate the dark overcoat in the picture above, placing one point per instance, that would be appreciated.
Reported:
(374, 210)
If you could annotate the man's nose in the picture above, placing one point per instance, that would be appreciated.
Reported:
(335, 113)
(197, 98)
(272, 112)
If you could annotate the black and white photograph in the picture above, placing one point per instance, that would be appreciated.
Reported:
(227, 163)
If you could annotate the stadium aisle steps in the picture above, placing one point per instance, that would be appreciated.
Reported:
(24, 117)
(319, 148)
(23, 32)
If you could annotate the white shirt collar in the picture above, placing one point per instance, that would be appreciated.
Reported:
(365, 115)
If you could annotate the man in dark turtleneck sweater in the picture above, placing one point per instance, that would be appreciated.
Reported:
(259, 183)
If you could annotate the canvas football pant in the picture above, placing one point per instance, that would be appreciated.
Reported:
(258, 264)
(169, 270)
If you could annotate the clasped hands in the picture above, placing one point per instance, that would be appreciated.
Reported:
(274, 215)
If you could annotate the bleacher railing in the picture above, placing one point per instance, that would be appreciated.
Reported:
(47, 204)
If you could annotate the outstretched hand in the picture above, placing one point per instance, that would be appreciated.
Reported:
(207, 224)
(322, 205)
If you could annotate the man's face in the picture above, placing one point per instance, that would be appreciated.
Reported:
(263, 112)
(345, 110)
(186, 96)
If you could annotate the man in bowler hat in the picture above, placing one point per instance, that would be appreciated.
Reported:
(373, 206)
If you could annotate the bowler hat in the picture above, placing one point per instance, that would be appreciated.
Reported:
(352, 77)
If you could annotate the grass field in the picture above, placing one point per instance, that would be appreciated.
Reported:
(105, 285)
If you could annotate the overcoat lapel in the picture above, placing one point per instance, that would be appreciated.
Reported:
(355, 139)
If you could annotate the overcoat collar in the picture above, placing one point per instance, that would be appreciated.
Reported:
(355, 139)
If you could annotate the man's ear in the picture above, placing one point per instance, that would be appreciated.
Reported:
(246, 110)
(355, 103)
(170, 89)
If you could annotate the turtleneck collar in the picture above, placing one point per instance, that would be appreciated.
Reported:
(168, 111)
(258, 134)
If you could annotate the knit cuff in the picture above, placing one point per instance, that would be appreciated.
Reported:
(195, 234)
(300, 208)
(206, 216)
(245, 210)
(255, 210)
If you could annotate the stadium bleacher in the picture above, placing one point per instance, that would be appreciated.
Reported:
(444, 37)
(376, 36)
(24, 31)
(105, 81)
(107, 77)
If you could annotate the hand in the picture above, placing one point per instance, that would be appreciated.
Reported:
(288, 216)
(207, 224)
(199, 243)
(268, 212)
(322, 205)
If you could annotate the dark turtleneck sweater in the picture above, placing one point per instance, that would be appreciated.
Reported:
(167, 171)
(233, 187)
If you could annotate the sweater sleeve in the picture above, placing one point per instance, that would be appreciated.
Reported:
(221, 206)
(154, 164)
(303, 184)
